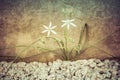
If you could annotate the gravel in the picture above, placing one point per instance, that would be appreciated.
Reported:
(92, 69)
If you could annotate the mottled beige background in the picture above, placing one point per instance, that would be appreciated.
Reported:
(21, 23)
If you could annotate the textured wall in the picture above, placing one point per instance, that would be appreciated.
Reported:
(21, 23)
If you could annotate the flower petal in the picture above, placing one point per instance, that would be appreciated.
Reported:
(53, 27)
(44, 31)
(50, 25)
(68, 26)
(64, 24)
(65, 21)
(53, 32)
(73, 24)
(45, 27)
(72, 20)
(48, 34)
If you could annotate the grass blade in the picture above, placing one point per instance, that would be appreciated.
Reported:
(103, 51)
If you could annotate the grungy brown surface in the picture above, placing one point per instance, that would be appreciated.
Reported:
(21, 23)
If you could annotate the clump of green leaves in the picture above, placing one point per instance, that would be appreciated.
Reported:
(78, 49)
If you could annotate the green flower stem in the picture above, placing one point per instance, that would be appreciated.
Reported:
(66, 43)
(64, 50)
(61, 46)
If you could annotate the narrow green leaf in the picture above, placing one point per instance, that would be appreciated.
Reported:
(83, 38)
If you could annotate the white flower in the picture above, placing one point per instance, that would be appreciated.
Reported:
(68, 23)
(49, 29)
